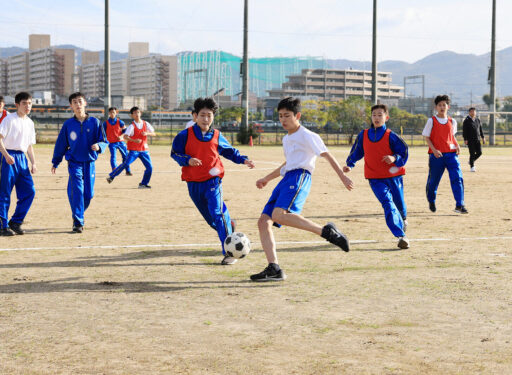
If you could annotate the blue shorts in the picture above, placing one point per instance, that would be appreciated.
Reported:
(290, 193)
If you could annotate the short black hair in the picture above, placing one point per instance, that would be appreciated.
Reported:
(22, 96)
(208, 103)
(133, 109)
(2, 100)
(442, 98)
(472, 109)
(112, 108)
(380, 106)
(291, 104)
(76, 95)
(193, 111)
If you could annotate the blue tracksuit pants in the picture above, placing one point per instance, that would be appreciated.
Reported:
(390, 193)
(207, 196)
(15, 175)
(132, 156)
(121, 146)
(80, 188)
(450, 161)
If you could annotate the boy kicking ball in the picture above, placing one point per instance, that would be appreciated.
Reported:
(301, 148)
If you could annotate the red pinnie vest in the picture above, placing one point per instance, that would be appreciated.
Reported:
(114, 131)
(137, 134)
(442, 136)
(4, 115)
(374, 167)
(208, 153)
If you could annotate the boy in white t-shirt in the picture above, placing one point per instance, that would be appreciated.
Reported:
(17, 135)
(136, 135)
(301, 148)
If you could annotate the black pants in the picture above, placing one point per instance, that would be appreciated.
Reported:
(475, 151)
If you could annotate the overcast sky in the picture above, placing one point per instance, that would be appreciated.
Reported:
(408, 29)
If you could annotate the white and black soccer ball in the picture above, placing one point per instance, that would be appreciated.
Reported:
(237, 245)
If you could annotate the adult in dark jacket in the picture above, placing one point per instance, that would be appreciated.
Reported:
(472, 133)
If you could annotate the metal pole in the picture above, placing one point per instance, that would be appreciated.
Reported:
(245, 68)
(107, 101)
(492, 127)
(374, 54)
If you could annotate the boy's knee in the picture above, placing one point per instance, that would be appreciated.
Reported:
(264, 221)
(278, 214)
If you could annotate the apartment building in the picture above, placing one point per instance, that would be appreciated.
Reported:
(3, 76)
(336, 84)
(152, 77)
(42, 68)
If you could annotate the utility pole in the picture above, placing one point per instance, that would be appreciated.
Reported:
(492, 78)
(374, 54)
(245, 71)
(106, 101)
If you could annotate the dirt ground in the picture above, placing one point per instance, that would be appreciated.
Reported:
(141, 291)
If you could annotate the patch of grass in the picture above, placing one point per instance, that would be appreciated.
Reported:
(234, 273)
(350, 323)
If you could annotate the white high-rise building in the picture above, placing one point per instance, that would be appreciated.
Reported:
(42, 68)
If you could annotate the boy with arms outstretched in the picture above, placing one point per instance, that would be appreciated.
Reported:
(385, 155)
(80, 140)
(197, 150)
(17, 136)
(137, 136)
(443, 149)
(301, 148)
(114, 128)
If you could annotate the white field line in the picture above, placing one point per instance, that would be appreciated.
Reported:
(216, 244)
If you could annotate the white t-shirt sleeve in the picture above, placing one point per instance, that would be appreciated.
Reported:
(454, 126)
(151, 129)
(428, 128)
(4, 127)
(317, 144)
(129, 131)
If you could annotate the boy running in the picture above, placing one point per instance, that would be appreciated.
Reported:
(80, 140)
(443, 152)
(114, 128)
(17, 136)
(197, 150)
(137, 136)
(301, 148)
(385, 155)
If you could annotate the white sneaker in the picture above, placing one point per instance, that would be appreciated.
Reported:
(403, 242)
(473, 169)
(227, 261)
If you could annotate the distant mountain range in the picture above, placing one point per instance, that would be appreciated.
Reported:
(463, 76)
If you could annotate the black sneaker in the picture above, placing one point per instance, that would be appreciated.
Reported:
(16, 227)
(334, 236)
(432, 206)
(78, 228)
(6, 232)
(269, 274)
(461, 210)
(141, 186)
(109, 180)
(129, 173)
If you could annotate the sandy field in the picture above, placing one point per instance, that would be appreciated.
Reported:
(142, 291)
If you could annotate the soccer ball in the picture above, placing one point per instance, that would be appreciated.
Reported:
(237, 245)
